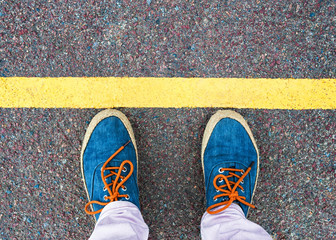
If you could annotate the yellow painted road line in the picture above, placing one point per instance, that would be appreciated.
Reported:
(110, 92)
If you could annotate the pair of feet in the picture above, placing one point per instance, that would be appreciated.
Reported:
(109, 162)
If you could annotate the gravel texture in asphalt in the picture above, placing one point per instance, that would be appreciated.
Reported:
(44, 197)
(42, 192)
(168, 38)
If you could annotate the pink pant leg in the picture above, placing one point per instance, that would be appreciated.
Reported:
(120, 220)
(231, 224)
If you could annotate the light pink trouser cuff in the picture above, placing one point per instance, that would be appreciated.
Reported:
(231, 224)
(122, 220)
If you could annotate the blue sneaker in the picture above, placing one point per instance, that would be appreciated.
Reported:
(230, 162)
(109, 161)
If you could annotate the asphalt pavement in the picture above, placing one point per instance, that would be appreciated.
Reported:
(43, 196)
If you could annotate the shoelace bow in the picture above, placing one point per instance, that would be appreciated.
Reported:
(231, 190)
(113, 187)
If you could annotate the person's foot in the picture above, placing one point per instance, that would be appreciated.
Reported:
(230, 162)
(109, 161)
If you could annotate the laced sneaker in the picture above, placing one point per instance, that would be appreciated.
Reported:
(109, 161)
(230, 162)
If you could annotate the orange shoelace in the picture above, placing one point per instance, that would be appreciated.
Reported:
(231, 191)
(114, 186)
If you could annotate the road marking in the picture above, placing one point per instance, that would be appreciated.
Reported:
(110, 92)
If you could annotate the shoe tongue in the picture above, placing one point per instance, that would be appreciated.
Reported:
(115, 162)
(233, 167)
(232, 179)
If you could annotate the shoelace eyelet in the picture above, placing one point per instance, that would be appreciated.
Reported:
(105, 189)
(221, 180)
(105, 197)
(242, 173)
(215, 199)
(127, 197)
(220, 170)
(124, 169)
(124, 188)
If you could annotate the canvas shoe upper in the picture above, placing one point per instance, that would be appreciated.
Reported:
(230, 162)
(109, 161)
